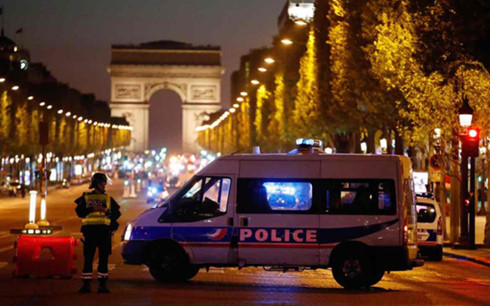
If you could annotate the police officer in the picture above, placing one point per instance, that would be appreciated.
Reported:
(99, 212)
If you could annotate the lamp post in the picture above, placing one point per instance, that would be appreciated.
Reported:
(467, 237)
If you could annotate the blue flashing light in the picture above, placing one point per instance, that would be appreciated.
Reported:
(309, 142)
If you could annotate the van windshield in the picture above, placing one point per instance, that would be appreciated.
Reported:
(200, 198)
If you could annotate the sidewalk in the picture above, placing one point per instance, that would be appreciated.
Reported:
(480, 256)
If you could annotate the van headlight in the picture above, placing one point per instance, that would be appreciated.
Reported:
(127, 232)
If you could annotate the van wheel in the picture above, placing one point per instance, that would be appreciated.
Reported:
(169, 264)
(353, 269)
(192, 271)
(436, 254)
(376, 277)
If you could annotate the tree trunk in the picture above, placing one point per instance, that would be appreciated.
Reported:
(486, 240)
(398, 143)
(357, 142)
(371, 148)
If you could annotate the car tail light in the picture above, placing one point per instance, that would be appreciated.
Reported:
(439, 226)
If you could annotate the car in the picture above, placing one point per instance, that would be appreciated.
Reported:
(4, 189)
(14, 188)
(429, 228)
(156, 193)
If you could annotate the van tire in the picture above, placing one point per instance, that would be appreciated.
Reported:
(353, 268)
(376, 277)
(436, 254)
(168, 263)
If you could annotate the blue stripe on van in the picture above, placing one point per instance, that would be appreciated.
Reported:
(266, 234)
(348, 233)
(432, 235)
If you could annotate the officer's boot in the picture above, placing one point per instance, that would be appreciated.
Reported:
(85, 287)
(102, 286)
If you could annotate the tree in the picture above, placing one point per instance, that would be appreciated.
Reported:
(307, 117)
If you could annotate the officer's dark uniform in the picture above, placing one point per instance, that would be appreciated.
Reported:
(97, 228)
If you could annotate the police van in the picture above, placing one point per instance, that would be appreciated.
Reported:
(352, 213)
(429, 228)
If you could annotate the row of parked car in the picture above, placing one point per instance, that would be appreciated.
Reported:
(12, 188)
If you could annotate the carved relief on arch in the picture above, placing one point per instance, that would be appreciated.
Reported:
(180, 89)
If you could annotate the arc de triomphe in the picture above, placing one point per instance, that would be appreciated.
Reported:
(138, 71)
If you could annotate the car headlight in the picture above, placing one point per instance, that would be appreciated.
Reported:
(127, 232)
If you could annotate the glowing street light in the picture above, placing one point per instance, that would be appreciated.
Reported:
(49, 107)
(60, 111)
(232, 110)
(243, 94)
(30, 98)
(15, 87)
(2, 80)
(465, 113)
(269, 60)
(301, 22)
(255, 82)
(286, 41)
(42, 103)
(262, 69)
(239, 99)
(236, 105)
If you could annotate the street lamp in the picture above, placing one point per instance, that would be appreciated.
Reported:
(469, 141)
(465, 113)
(262, 69)
(255, 82)
(286, 41)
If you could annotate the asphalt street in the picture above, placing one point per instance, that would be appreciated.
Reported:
(450, 282)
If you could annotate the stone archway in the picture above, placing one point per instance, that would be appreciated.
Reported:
(139, 71)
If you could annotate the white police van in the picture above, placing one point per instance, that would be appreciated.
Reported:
(429, 228)
(353, 213)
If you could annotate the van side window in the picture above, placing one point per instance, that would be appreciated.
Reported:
(363, 197)
(273, 196)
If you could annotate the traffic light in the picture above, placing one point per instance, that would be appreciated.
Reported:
(471, 142)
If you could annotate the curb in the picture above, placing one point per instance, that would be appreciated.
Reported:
(463, 257)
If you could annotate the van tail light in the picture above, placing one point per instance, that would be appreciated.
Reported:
(439, 226)
(405, 232)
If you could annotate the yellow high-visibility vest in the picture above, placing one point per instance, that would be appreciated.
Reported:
(97, 217)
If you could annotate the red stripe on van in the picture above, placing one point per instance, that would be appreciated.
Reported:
(426, 242)
(205, 244)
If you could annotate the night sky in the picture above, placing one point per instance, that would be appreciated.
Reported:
(73, 38)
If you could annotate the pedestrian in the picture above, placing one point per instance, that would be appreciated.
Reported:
(23, 190)
(99, 213)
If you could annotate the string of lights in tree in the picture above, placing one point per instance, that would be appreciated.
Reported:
(69, 114)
